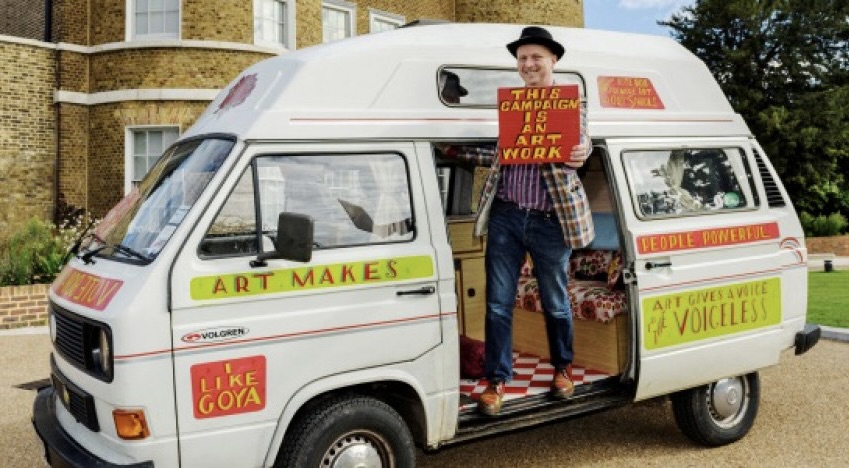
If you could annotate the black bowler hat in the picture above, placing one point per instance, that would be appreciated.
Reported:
(537, 35)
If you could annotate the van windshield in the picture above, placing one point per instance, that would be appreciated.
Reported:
(140, 225)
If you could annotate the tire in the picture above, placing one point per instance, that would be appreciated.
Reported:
(348, 431)
(719, 413)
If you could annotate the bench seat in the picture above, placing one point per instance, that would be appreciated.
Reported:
(599, 307)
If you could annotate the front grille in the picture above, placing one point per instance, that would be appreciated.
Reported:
(70, 338)
(79, 403)
(76, 340)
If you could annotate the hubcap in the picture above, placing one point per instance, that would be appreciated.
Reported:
(358, 449)
(728, 400)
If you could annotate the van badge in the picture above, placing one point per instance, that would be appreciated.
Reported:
(86, 289)
(214, 335)
(238, 93)
(224, 388)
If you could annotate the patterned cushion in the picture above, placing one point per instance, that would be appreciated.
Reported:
(527, 294)
(590, 264)
(591, 299)
(527, 267)
(614, 270)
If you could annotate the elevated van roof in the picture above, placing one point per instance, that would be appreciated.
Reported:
(384, 85)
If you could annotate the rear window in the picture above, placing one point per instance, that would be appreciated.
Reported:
(680, 182)
(478, 87)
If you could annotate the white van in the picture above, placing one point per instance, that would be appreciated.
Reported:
(290, 283)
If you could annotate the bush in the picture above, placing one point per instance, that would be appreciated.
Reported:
(36, 253)
(823, 226)
(31, 255)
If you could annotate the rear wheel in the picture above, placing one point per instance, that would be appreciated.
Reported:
(354, 431)
(719, 413)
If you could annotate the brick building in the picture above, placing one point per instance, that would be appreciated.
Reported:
(98, 88)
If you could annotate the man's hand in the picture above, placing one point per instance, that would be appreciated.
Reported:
(579, 155)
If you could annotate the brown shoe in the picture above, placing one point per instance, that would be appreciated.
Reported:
(562, 385)
(491, 399)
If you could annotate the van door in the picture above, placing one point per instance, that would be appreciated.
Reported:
(708, 261)
(248, 337)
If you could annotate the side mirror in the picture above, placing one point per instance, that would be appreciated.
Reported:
(294, 239)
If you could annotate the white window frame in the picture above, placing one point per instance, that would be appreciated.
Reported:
(344, 7)
(378, 16)
(129, 149)
(132, 34)
(289, 28)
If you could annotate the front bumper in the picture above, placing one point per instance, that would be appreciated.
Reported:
(60, 449)
(807, 338)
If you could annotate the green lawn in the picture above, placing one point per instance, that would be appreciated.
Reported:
(828, 298)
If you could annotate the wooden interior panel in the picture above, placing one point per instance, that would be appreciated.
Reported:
(596, 185)
(473, 296)
(462, 238)
(599, 346)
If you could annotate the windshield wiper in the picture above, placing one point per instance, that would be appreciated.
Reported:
(75, 249)
(87, 257)
(133, 253)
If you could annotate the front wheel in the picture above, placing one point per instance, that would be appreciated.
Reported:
(353, 431)
(719, 413)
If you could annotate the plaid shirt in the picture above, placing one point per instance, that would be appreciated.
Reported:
(564, 187)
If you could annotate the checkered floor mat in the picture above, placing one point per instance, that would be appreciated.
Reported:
(531, 376)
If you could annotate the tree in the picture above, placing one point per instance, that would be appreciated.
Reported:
(784, 65)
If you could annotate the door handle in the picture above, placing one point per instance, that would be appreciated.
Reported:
(650, 265)
(424, 291)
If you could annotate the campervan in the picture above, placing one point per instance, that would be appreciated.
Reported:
(291, 282)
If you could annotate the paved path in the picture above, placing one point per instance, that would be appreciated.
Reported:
(24, 359)
(816, 262)
(803, 421)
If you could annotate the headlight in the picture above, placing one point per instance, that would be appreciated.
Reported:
(101, 354)
(105, 353)
(51, 325)
(84, 343)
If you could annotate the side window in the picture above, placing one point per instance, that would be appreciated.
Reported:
(337, 20)
(357, 199)
(353, 199)
(273, 23)
(688, 181)
(153, 19)
(143, 147)
(380, 21)
(234, 230)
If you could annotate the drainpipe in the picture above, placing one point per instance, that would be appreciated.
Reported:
(57, 119)
(48, 20)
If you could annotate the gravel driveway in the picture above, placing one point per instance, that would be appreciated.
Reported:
(803, 421)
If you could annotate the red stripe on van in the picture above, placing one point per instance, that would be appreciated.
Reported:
(284, 336)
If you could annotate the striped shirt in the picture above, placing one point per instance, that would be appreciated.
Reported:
(523, 185)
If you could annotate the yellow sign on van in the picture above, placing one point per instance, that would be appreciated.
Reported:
(685, 317)
(312, 277)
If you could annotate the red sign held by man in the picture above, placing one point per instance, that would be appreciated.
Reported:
(538, 125)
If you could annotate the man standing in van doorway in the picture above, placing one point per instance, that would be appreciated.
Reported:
(536, 209)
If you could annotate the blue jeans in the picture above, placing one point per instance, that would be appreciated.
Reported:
(513, 232)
